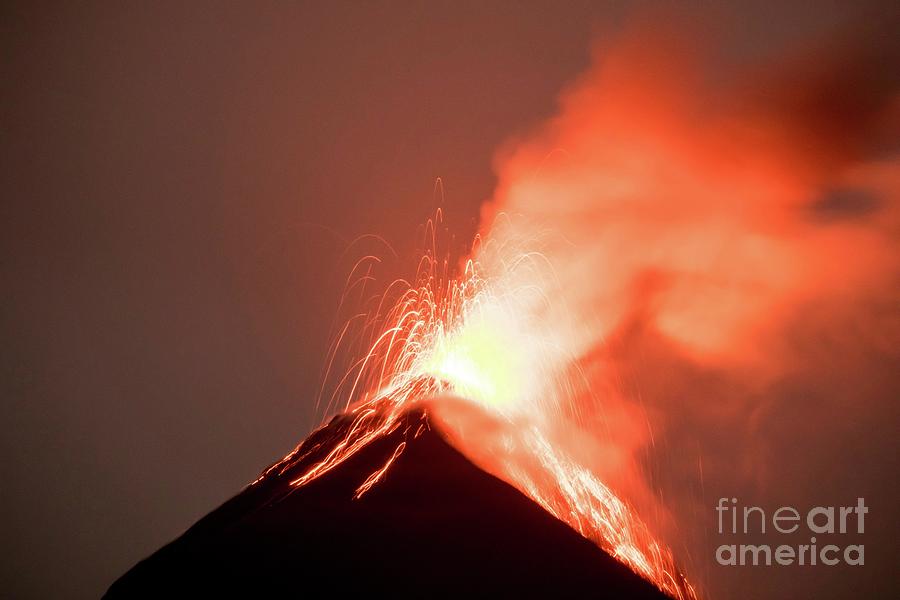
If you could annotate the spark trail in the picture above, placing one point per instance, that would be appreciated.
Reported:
(481, 341)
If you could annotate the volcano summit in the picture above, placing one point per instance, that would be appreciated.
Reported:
(433, 525)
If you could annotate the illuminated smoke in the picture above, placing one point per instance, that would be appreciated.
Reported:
(694, 221)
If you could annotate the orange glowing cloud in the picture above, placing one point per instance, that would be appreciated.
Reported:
(701, 207)
(691, 219)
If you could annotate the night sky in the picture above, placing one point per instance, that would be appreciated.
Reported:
(181, 187)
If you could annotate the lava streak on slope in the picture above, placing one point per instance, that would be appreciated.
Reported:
(495, 377)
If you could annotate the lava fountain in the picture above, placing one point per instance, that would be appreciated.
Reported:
(479, 353)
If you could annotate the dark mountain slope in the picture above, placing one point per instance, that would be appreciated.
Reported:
(435, 525)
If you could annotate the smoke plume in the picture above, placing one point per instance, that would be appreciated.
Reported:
(723, 240)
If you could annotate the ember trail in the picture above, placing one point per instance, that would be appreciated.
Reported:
(479, 353)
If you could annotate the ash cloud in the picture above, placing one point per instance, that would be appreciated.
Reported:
(725, 243)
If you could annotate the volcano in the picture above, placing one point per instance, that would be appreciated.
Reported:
(433, 525)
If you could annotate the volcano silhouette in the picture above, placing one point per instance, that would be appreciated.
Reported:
(435, 525)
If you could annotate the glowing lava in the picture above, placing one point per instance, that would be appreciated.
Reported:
(478, 351)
